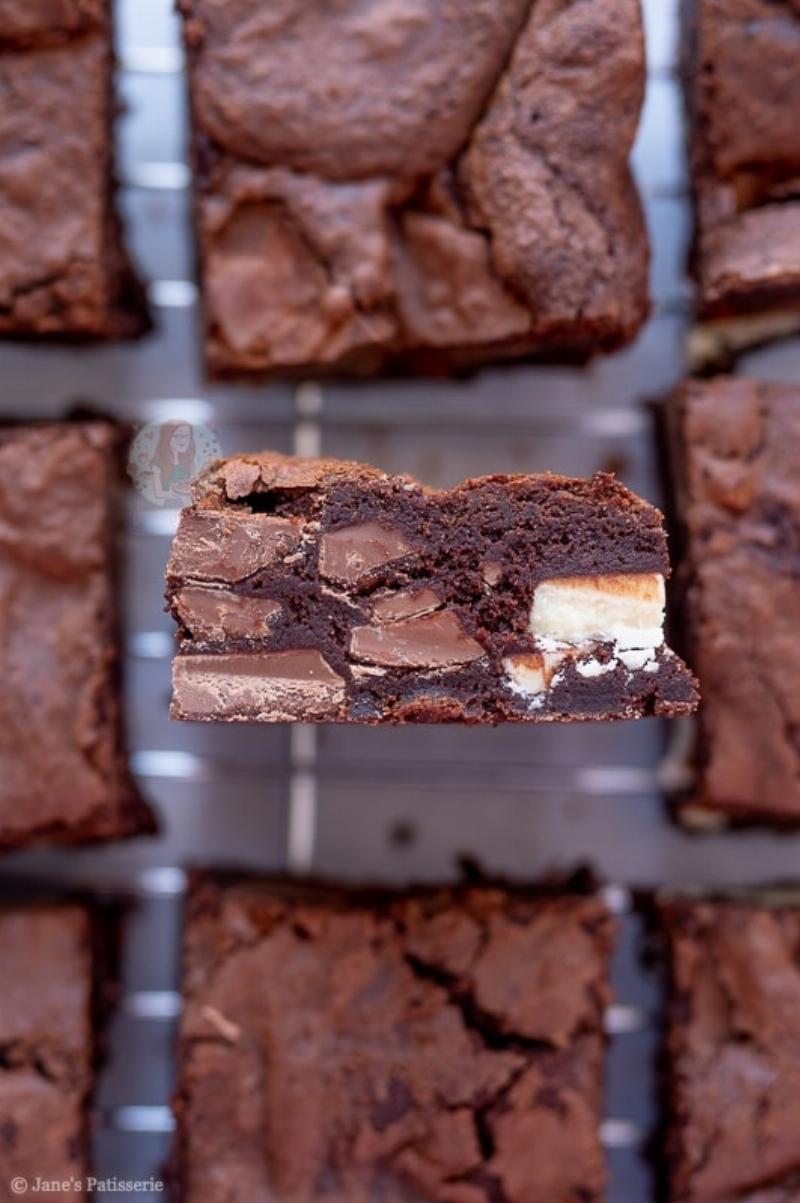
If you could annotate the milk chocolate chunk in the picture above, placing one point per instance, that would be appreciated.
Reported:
(271, 687)
(354, 552)
(406, 184)
(427, 641)
(230, 546)
(385, 614)
(216, 614)
(735, 449)
(742, 85)
(455, 1060)
(405, 604)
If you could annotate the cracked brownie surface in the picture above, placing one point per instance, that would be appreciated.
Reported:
(326, 590)
(733, 1052)
(45, 1045)
(735, 449)
(439, 1045)
(415, 183)
(63, 270)
(742, 85)
(63, 772)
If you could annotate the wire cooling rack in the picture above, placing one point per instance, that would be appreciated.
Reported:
(394, 805)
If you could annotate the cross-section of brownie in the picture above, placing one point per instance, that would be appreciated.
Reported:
(735, 453)
(63, 773)
(733, 1051)
(46, 1047)
(441, 1045)
(417, 185)
(324, 590)
(742, 86)
(63, 270)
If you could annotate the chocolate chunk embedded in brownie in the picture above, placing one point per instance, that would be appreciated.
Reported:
(742, 85)
(733, 1052)
(46, 1046)
(443, 1045)
(735, 451)
(323, 590)
(63, 269)
(414, 185)
(63, 771)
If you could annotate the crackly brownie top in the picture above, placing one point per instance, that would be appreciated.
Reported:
(58, 737)
(45, 1041)
(734, 1050)
(443, 1045)
(572, 524)
(362, 170)
(745, 92)
(39, 22)
(739, 501)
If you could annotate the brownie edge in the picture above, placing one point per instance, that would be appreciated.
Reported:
(734, 450)
(442, 1045)
(732, 1085)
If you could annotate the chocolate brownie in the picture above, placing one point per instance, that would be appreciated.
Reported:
(733, 1051)
(46, 1045)
(441, 1046)
(410, 184)
(742, 86)
(63, 270)
(63, 773)
(735, 451)
(323, 590)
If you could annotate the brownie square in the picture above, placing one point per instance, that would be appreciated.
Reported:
(46, 1045)
(411, 185)
(63, 269)
(742, 86)
(321, 590)
(732, 1051)
(735, 451)
(62, 764)
(443, 1045)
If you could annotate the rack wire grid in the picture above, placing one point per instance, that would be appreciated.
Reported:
(392, 805)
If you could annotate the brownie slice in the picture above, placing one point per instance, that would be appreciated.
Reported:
(742, 86)
(63, 269)
(46, 1045)
(733, 1051)
(441, 1045)
(735, 452)
(415, 185)
(62, 764)
(323, 590)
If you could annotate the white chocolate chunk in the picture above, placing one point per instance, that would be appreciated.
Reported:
(637, 658)
(592, 667)
(531, 673)
(626, 609)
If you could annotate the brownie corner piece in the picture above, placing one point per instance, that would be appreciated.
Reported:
(415, 189)
(735, 445)
(741, 71)
(732, 1084)
(46, 1042)
(62, 758)
(323, 590)
(64, 271)
(443, 1044)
